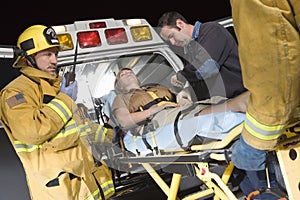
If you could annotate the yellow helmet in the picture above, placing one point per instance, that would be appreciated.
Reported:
(37, 38)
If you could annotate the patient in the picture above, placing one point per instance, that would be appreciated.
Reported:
(137, 108)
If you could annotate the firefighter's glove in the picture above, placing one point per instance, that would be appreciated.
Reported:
(247, 157)
(70, 90)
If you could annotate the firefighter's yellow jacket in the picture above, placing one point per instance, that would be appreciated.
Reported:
(51, 139)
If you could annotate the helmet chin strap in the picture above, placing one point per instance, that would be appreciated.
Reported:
(32, 61)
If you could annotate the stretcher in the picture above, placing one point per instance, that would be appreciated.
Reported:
(199, 160)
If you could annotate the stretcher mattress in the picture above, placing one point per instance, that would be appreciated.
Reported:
(211, 126)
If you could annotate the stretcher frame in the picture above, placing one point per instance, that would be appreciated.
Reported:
(217, 185)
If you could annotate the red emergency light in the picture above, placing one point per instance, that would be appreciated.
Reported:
(94, 25)
(116, 36)
(88, 39)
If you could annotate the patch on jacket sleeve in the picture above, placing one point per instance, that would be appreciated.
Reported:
(16, 100)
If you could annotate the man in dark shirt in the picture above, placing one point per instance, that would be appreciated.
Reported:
(210, 52)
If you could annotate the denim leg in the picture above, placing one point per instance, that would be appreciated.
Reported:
(246, 157)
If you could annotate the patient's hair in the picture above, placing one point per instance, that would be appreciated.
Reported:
(119, 88)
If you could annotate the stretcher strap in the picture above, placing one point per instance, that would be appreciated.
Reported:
(182, 113)
(149, 127)
(146, 143)
(154, 102)
(176, 131)
(136, 147)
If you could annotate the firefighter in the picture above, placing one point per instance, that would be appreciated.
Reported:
(44, 125)
(269, 49)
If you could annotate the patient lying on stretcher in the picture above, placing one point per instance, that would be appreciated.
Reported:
(137, 108)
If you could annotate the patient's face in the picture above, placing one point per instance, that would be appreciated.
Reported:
(127, 80)
(125, 73)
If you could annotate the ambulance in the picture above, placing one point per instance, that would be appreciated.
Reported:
(95, 50)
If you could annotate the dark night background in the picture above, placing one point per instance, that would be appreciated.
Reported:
(15, 16)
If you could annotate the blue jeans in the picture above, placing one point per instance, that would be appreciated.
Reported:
(246, 157)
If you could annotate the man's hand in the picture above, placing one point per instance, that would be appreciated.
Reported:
(70, 90)
(176, 82)
(184, 97)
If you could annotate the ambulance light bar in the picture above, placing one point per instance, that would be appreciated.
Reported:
(141, 33)
(65, 41)
(88, 39)
(97, 25)
(115, 35)
(133, 22)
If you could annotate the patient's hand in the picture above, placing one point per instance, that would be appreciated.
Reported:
(156, 108)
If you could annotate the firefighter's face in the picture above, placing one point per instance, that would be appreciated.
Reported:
(176, 36)
(46, 60)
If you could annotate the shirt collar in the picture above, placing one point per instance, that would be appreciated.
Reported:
(196, 30)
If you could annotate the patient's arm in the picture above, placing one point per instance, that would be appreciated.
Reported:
(127, 119)
(237, 104)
